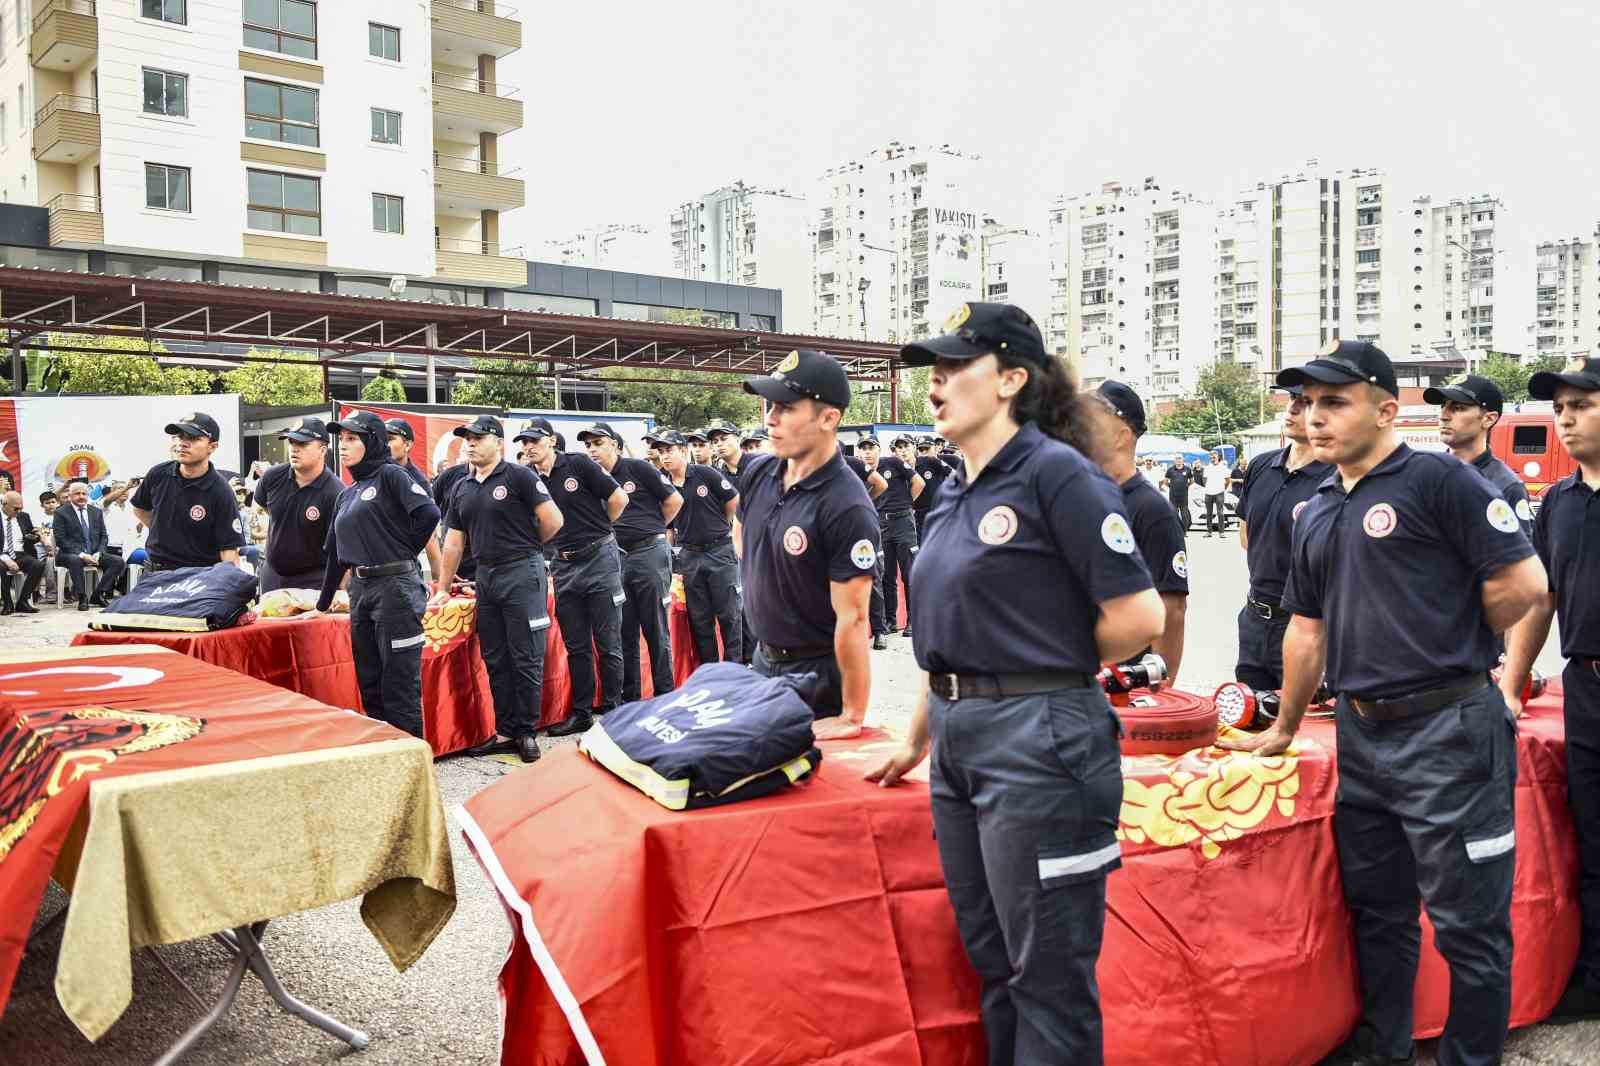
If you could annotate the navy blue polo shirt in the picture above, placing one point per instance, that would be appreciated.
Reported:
(1272, 499)
(580, 487)
(192, 520)
(647, 489)
(897, 497)
(444, 486)
(1508, 485)
(1567, 536)
(1178, 480)
(496, 514)
(298, 517)
(1158, 533)
(372, 523)
(796, 542)
(705, 492)
(414, 474)
(1396, 568)
(859, 468)
(933, 471)
(1014, 566)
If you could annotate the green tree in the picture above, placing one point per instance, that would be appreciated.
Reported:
(869, 400)
(386, 387)
(680, 398)
(135, 374)
(277, 384)
(1227, 399)
(516, 386)
(1512, 375)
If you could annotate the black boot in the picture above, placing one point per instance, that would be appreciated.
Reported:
(1580, 1002)
(579, 722)
(528, 748)
(83, 603)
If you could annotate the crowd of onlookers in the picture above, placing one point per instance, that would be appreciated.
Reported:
(1217, 483)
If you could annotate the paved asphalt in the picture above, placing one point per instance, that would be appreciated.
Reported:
(444, 1009)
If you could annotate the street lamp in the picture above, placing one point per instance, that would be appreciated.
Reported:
(862, 286)
(1470, 258)
(894, 290)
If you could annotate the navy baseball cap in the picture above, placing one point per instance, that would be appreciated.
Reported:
(804, 374)
(305, 431)
(1343, 363)
(599, 429)
(1580, 373)
(904, 438)
(482, 426)
(536, 429)
(976, 329)
(1125, 402)
(669, 436)
(400, 427)
(362, 423)
(1470, 389)
(693, 436)
(720, 428)
(198, 424)
(867, 440)
(759, 433)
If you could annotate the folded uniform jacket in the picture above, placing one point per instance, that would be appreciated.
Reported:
(192, 600)
(725, 734)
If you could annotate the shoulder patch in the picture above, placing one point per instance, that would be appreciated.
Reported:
(418, 489)
(1524, 512)
(1116, 535)
(1502, 517)
(1180, 564)
(863, 554)
(726, 485)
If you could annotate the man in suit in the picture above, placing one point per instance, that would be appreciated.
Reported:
(81, 541)
(18, 542)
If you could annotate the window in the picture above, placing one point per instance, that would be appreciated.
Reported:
(388, 214)
(287, 26)
(276, 112)
(385, 126)
(383, 41)
(1528, 440)
(285, 203)
(166, 93)
(166, 10)
(166, 188)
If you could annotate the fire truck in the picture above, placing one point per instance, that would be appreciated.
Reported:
(1525, 440)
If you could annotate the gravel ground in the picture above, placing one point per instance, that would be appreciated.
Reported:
(444, 1010)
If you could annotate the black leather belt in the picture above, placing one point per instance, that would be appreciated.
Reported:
(1425, 702)
(1267, 612)
(969, 686)
(585, 551)
(400, 566)
(893, 514)
(708, 545)
(506, 560)
(789, 655)
(1583, 662)
(635, 545)
(157, 568)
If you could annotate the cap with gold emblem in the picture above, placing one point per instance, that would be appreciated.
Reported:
(1580, 373)
(1343, 363)
(198, 424)
(1468, 389)
(305, 431)
(977, 329)
(804, 374)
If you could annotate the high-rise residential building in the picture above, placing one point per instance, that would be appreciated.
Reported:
(740, 235)
(1016, 268)
(1131, 298)
(636, 248)
(1566, 300)
(1452, 298)
(351, 137)
(897, 242)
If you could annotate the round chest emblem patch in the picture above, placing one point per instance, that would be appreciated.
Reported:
(1116, 535)
(1502, 517)
(1380, 520)
(998, 526)
(1294, 515)
(313, 513)
(369, 493)
(571, 484)
(794, 540)
(499, 492)
(1180, 565)
(863, 554)
(701, 491)
(628, 487)
(196, 513)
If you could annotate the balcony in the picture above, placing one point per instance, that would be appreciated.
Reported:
(66, 129)
(465, 187)
(66, 33)
(466, 29)
(479, 260)
(76, 219)
(465, 106)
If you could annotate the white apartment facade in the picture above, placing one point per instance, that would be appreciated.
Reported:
(635, 248)
(742, 235)
(897, 242)
(1131, 287)
(1566, 301)
(1455, 244)
(341, 136)
(1016, 268)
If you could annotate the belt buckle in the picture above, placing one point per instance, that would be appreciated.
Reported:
(1263, 611)
(955, 686)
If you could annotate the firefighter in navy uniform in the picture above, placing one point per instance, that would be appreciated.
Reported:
(704, 533)
(641, 532)
(807, 536)
(444, 483)
(500, 514)
(1566, 532)
(185, 503)
(1404, 567)
(587, 570)
(932, 470)
(876, 487)
(1277, 488)
(1030, 539)
(380, 523)
(402, 439)
(1114, 426)
(897, 529)
(1469, 406)
(725, 447)
(300, 497)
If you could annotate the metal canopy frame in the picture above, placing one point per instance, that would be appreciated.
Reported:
(353, 331)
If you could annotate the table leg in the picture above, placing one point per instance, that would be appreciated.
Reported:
(230, 989)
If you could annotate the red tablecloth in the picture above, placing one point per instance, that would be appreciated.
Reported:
(313, 658)
(821, 912)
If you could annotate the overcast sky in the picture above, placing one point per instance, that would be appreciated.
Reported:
(633, 107)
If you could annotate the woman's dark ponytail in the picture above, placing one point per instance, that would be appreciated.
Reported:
(1050, 399)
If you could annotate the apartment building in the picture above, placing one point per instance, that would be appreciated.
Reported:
(896, 242)
(1566, 304)
(1130, 286)
(1453, 295)
(350, 137)
(741, 235)
(636, 248)
(1016, 268)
